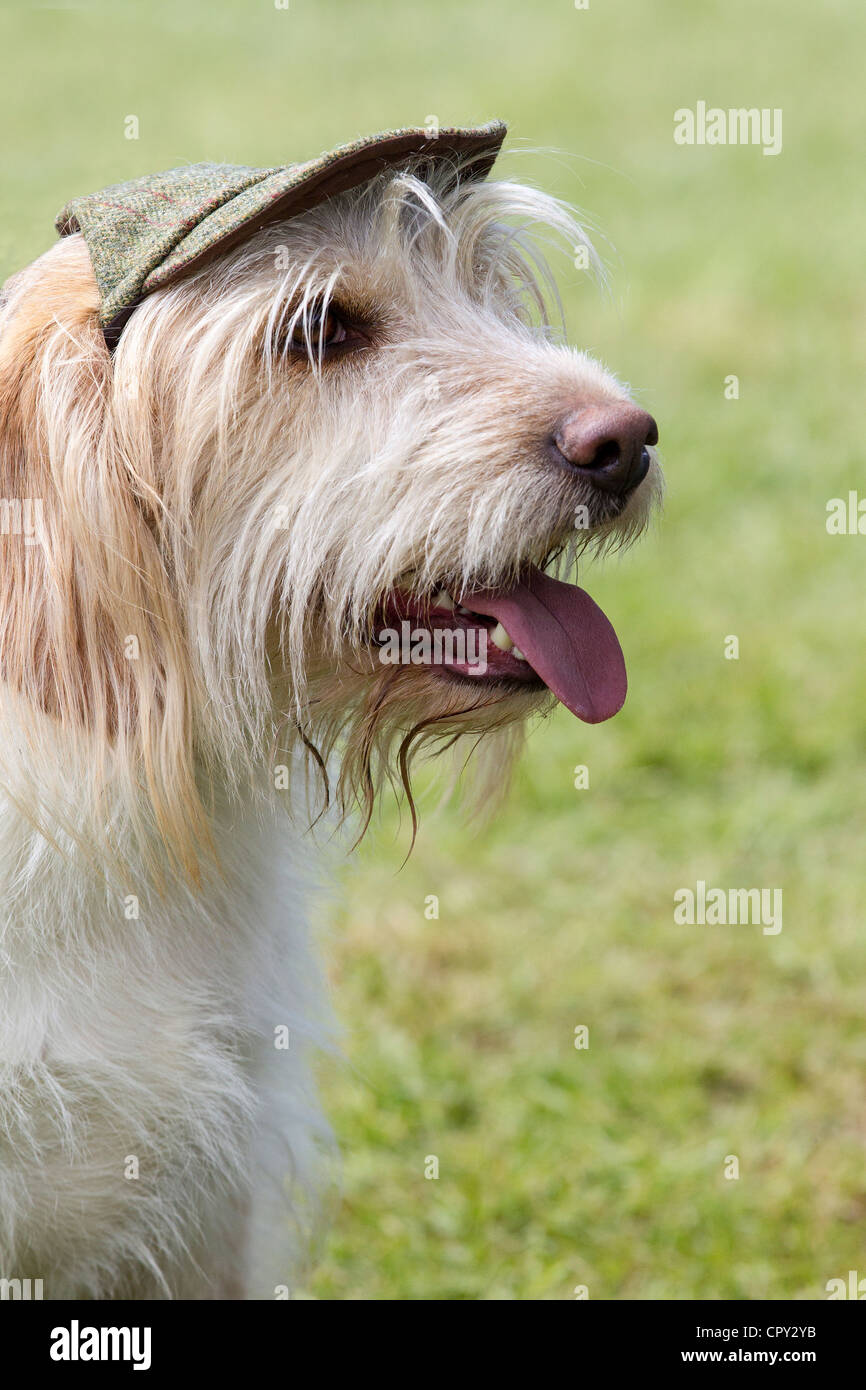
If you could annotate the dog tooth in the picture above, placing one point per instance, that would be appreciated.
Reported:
(442, 599)
(499, 637)
(518, 654)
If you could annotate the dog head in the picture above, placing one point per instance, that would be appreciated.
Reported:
(358, 421)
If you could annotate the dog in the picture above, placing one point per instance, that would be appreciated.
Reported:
(353, 416)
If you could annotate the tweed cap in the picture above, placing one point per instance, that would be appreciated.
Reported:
(154, 230)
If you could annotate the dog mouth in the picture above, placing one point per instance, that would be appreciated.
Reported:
(537, 632)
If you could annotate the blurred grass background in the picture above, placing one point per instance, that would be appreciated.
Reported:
(602, 1167)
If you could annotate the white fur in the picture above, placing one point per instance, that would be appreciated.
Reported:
(240, 513)
(155, 1038)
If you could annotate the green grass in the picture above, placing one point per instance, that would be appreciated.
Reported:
(603, 1167)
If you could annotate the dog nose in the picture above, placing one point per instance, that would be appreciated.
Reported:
(608, 444)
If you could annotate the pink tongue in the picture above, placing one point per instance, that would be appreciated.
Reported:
(566, 639)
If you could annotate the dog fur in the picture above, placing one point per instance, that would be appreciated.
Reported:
(220, 517)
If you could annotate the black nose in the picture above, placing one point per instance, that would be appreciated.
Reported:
(608, 444)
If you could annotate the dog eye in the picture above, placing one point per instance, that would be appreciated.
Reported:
(322, 330)
(326, 329)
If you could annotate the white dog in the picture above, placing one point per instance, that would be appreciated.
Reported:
(218, 493)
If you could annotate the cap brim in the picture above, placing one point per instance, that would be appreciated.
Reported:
(289, 191)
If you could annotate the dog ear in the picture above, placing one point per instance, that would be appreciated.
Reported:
(90, 635)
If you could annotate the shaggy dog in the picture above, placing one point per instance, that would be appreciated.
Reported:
(357, 417)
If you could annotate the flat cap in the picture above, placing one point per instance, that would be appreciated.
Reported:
(154, 230)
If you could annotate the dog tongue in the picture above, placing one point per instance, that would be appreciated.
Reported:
(566, 639)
